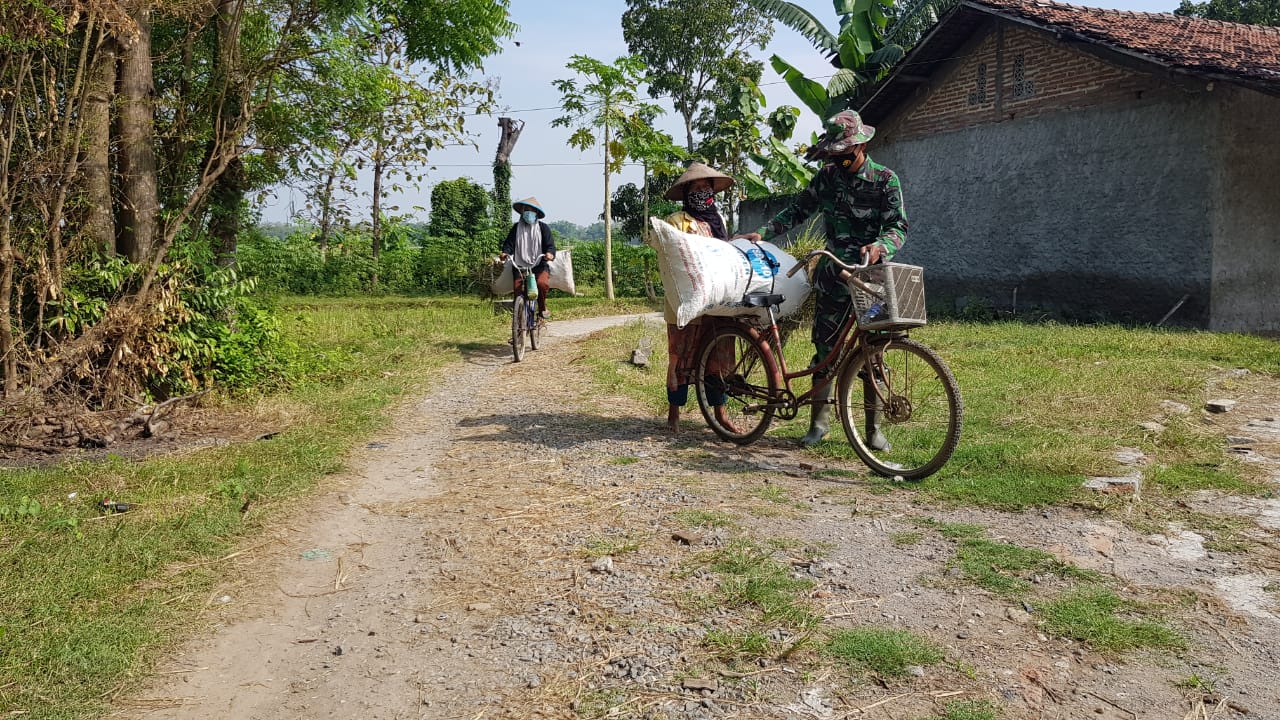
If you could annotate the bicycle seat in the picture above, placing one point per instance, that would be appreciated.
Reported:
(762, 300)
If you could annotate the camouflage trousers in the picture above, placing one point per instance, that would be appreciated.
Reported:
(832, 306)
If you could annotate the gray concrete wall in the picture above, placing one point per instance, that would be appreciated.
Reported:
(1246, 243)
(1097, 213)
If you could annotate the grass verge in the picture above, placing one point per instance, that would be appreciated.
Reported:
(87, 600)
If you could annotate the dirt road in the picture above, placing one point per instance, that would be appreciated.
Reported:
(508, 549)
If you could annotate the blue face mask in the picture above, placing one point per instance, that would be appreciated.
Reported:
(529, 216)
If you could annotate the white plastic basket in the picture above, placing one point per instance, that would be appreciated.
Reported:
(902, 304)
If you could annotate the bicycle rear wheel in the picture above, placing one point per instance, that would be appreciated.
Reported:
(536, 325)
(519, 326)
(903, 390)
(735, 361)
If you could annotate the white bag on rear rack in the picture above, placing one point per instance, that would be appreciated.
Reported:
(705, 276)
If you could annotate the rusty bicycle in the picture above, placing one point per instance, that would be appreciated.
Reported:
(898, 401)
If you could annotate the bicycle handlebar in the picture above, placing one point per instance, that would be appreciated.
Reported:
(839, 263)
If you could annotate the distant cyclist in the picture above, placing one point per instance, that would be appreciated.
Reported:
(529, 244)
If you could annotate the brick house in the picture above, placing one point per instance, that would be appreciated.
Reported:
(1096, 164)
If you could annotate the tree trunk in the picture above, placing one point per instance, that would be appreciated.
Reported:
(96, 166)
(226, 198)
(140, 205)
(608, 222)
(8, 131)
(378, 169)
(511, 130)
(688, 129)
(326, 211)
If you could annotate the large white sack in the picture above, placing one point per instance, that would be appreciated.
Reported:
(706, 276)
(504, 283)
(562, 272)
(561, 275)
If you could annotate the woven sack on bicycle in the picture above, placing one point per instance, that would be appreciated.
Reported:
(903, 303)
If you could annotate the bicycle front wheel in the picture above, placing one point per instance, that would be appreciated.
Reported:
(901, 408)
(736, 368)
(519, 326)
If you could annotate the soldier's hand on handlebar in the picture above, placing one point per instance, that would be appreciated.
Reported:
(752, 236)
(872, 253)
(502, 257)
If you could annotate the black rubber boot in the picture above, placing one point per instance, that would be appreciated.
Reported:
(875, 439)
(819, 419)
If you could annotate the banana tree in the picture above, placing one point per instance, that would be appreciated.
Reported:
(858, 50)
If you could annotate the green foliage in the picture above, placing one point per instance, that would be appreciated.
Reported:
(696, 51)
(418, 264)
(635, 268)
(458, 208)
(605, 99)
(628, 211)
(1253, 12)
(859, 51)
(884, 651)
(455, 35)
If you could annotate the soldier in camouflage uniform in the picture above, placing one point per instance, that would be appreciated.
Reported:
(861, 203)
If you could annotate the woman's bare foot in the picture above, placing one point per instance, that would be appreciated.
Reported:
(673, 419)
(722, 417)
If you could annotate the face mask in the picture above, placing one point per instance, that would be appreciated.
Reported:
(529, 216)
(701, 197)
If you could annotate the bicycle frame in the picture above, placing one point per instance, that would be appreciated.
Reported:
(850, 338)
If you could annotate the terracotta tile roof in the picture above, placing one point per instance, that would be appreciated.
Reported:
(1211, 47)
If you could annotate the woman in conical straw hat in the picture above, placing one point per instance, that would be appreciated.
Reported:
(696, 191)
(530, 245)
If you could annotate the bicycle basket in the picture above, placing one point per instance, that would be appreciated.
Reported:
(903, 301)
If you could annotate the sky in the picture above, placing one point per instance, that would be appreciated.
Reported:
(570, 183)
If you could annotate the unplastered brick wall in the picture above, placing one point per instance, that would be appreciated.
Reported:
(1015, 72)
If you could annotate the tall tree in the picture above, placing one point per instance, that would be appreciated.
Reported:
(692, 47)
(139, 189)
(414, 118)
(1253, 12)
(601, 98)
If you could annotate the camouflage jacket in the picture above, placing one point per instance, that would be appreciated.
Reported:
(859, 208)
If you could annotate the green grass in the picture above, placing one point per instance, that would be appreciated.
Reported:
(773, 494)
(905, 538)
(705, 518)
(1104, 620)
(1004, 569)
(732, 646)
(614, 546)
(884, 651)
(1045, 405)
(88, 603)
(969, 710)
(750, 577)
